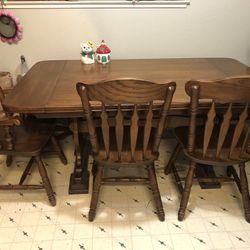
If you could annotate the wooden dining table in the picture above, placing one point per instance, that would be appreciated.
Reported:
(48, 90)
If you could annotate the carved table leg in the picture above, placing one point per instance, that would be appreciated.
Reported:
(79, 179)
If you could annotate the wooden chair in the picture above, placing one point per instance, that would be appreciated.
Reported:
(61, 131)
(224, 139)
(129, 138)
(27, 138)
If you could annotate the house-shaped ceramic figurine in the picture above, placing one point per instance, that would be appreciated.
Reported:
(103, 53)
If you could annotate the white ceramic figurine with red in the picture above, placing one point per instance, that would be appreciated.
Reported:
(103, 53)
(87, 54)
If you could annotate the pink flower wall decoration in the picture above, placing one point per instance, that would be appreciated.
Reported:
(10, 27)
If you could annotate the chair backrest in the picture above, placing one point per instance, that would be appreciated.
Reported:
(7, 121)
(128, 98)
(228, 112)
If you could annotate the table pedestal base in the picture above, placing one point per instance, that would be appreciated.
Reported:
(79, 187)
(79, 180)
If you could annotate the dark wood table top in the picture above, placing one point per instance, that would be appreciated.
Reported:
(49, 86)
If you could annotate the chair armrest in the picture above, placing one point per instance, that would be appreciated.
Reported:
(10, 120)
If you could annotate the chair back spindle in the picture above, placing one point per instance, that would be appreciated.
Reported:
(105, 129)
(209, 128)
(90, 122)
(119, 131)
(147, 128)
(239, 129)
(224, 128)
(194, 95)
(134, 132)
(163, 116)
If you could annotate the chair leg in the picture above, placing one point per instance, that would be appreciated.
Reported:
(95, 192)
(156, 193)
(94, 169)
(46, 182)
(244, 191)
(9, 159)
(229, 171)
(94, 172)
(172, 159)
(59, 150)
(186, 191)
(27, 170)
(232, 171)
(177, 179)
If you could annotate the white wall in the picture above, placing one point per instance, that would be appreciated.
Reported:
(206, 28)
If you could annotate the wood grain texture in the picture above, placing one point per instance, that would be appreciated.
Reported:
(109, 92)
(48, 87)
(214, 90)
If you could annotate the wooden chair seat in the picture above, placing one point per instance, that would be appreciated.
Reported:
(126, 159)
(29, 139)
(223, 158)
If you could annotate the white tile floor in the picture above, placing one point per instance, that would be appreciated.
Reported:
(125, 218)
